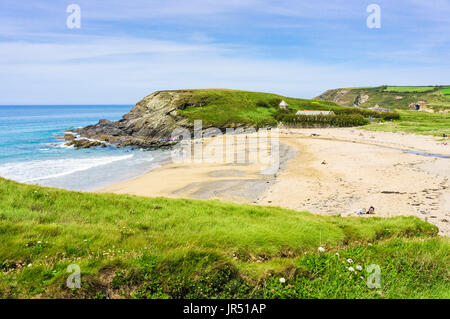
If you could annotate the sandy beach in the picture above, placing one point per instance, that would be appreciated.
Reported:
(325, 171)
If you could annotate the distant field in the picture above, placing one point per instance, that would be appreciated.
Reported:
(391, 97)
(416, 122)
(409, 89)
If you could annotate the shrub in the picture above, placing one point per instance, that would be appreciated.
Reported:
(262, 103)
(341, 120)
(194, 100)
(369, 113)
(275, 102)
(390, 116)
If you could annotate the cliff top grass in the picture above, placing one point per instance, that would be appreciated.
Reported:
(128, 246)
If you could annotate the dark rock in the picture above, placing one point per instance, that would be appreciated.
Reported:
(69, 137)
(85, 143)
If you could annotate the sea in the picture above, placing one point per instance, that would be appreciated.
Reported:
(32, 150)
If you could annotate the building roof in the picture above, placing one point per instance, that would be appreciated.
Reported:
(312, 112)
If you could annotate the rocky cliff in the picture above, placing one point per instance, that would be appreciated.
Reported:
(152, 120)
(433, 98)
(150, 123)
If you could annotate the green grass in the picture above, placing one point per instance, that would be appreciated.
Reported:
(409, 89)
(129, 246)
(223, 108)
(393, 97)
(416, 122)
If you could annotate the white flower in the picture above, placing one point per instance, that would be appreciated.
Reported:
(282, 280)
(29, 265)
(321, 249)
(351, 269)
(349, 260)
(39, 242)
(337, 254)
(358, 267)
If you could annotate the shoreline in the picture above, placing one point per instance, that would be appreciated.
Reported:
(361, 169)
(235, 182)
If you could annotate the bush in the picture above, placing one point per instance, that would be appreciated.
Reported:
(341, 120)
(262, 103)
(387, 116)
(369, 113)
(275, 102)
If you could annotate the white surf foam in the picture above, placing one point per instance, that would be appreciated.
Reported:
(32, 171)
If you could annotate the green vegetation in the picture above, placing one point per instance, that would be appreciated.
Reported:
(409, 89)
(227, 108)
(416, 122)
(436, 98)
(342, 120)
(129, 246)
(386, 116)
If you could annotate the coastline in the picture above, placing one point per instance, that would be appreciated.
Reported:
(335, 172)
(235, 182)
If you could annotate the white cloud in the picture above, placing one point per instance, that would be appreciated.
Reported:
(126, 78)
(211, 43)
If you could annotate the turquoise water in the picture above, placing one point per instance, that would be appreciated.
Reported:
(31, 149)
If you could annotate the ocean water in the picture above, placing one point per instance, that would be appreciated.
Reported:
(31, 149)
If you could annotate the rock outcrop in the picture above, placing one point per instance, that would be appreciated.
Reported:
(149, 124)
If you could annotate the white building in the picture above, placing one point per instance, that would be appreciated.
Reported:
(283, 105)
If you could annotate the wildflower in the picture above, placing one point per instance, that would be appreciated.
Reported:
(337, 254)
(349, 260)
(39, 242)
(273, 290)
(351, 269)
(282, 280)
(362, 277)
(29, 265)
(358, 267)
(321, 249)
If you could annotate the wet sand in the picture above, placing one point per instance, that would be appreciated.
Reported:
(236, 182)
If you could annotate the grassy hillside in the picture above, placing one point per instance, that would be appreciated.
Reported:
(223, 108)
(395, 97)
(138, 247)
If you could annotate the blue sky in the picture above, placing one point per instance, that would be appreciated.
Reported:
(125, 50)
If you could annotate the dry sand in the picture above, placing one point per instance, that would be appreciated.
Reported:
(337, 172)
